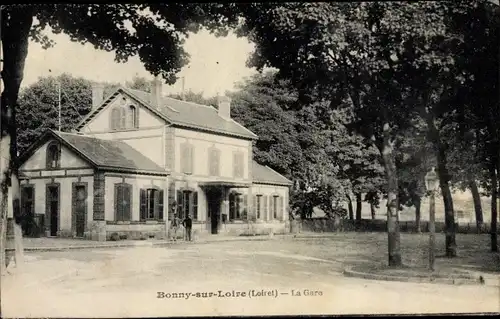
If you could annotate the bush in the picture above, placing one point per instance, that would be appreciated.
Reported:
(114, 237)
(123, 236)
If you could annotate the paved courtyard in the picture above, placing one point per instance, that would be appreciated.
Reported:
(257, 278)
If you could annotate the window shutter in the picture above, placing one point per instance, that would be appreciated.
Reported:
(156, 201)
(231, 206)
(160, 205)
(115, 118)
(241, 170)
(123, 118)
(239, 211)
(127, 195)
(217, 162)
(143, 204)
(238, 164)
(117, 203)
(180, 204)
(244, 214)
(191, 159)
(255, 208)
(195, 206)
(265, 206)
(280, 207)
(32, 208)
(183, 158)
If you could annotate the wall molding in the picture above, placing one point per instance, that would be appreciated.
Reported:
(136, 176)
(149, 128)
(55, 176)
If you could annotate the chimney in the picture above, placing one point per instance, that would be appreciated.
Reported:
(224, 106)
(97, 94)
(155, 97)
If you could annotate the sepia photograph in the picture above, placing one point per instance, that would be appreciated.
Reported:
(249, 159)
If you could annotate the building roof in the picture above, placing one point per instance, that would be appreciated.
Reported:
(266, 175)
(195, 115)
(104, 154)
(182, 114)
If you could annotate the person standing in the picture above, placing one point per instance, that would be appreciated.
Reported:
(175, 226)
(188, 225)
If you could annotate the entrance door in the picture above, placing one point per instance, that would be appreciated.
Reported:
(213, 201)
(53, 208)
(80, 208)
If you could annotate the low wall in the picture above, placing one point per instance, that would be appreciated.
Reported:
(244, 228)
(378, 225)
(137, 230)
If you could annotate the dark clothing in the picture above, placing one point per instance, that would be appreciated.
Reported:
(188, 224)
(188, 233)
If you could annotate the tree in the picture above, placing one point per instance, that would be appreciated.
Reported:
(290, 141)
(356, 51)
(104, 26)
(479, 94)
(413, 159)
(195, 97)
(38, 106)
(139, 83)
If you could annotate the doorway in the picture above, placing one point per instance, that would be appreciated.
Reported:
(80, 207)
(213, 204)
(53, 208)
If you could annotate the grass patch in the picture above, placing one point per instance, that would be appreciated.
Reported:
(415, 272)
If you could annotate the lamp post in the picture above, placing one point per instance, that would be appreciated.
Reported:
(431, 183)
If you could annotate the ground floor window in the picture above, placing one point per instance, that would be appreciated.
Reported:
(277, 206)
(28, 201)
(258, 206)
(151, 202)
(237, 206)
(123, 199)
(187, 203)
(274, 207)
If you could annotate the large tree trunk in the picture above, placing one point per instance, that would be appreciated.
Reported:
(444, 179)
(359, 206)
(477, 204)
(350, 208)
(494, 208)
(394, 240)
(15, 26)
(418, 206)
(372, 210)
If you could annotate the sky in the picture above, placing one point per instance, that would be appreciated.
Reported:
(216, 64)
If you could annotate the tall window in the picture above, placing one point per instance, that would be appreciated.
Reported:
(53, 155)
(151, 204)
(124, 118)
(234, 206)
(274, 207)
(123, 205)
(238, 167)
(258, 206)
(28, 200)
(187, 203)
(187, 158)
(115, 118)
(132, 117)
(214, 162)
(265, 208)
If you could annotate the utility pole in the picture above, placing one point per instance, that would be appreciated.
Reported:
(59, 103)
(182, 90)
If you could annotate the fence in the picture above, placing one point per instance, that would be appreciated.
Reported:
(377, 225)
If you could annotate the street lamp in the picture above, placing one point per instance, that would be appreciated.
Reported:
(431, 184)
